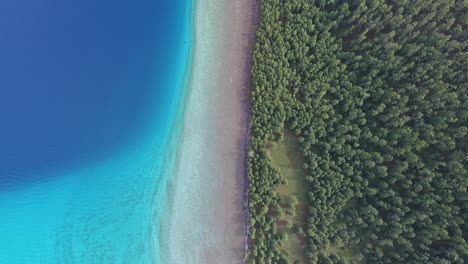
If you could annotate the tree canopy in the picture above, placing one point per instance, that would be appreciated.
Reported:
(376, 92)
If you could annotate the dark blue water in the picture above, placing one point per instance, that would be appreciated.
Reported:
(89, 91)
(76, 77)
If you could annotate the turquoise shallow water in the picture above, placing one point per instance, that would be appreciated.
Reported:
(86, 135)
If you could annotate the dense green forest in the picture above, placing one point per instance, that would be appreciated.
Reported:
(375, 95)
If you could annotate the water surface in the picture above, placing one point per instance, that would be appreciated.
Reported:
(88, 95)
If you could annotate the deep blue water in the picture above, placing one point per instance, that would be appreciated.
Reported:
(90, 92)
(76, 77)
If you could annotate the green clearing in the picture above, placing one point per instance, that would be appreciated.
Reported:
(285, 156)
(287, 159)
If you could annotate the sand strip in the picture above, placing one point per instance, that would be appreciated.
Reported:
(207, 220)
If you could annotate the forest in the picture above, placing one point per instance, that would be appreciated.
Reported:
(376, 94)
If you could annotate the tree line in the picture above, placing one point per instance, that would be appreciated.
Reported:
(376, 92)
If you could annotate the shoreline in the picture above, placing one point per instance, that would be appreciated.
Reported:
(242, 18)
(248, 28)
(206, 214)
(162, 200)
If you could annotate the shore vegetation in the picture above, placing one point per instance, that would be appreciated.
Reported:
(358, 136)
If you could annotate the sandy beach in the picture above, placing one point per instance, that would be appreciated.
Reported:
(207, 217)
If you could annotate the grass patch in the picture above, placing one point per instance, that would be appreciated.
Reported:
(287, 158)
